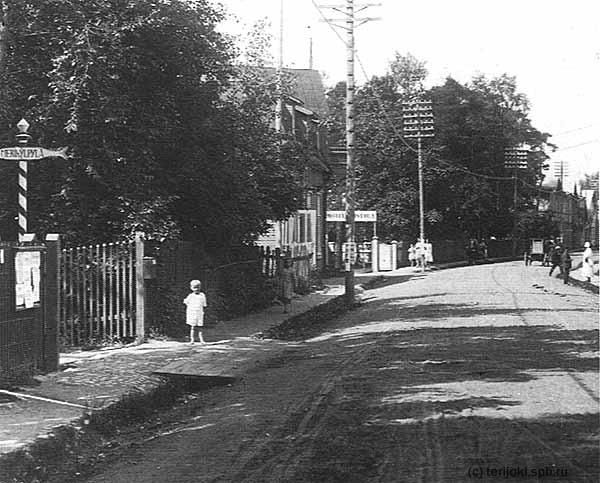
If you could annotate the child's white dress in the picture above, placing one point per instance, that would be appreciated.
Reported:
(195, 303)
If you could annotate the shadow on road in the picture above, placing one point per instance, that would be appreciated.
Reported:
(436, 403)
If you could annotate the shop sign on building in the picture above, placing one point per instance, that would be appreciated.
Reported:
(358, 216)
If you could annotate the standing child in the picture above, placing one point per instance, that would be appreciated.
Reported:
(286, 284)
(195, 302)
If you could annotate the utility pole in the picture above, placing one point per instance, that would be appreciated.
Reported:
(348, 22)
(279, 106)
(561, 171)
(515, 159)
(417, 120)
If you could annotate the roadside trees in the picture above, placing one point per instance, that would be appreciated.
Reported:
(138, 91)
(468, 191)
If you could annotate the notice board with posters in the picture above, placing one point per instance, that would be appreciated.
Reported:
(27, 278)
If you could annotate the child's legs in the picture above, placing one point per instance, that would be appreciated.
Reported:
(200, 338)
(192, 330)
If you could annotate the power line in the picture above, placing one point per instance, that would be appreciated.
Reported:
(577, 145)
(387, 119)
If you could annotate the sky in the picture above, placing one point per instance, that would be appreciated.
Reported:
(552, 47)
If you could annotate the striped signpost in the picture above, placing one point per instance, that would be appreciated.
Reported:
(24, 154)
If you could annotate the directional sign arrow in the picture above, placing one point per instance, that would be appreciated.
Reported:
(20, 153)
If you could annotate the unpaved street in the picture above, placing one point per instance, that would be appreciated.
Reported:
(478, 373)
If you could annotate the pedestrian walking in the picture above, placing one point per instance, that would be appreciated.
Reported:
(471, 251)
(286, 284)
(587, 267)
(428, 252)
(548, 246)
(412, 255)
(195, 304)
(555, 259)
(421, 255)
(483, 249)
(565, 263)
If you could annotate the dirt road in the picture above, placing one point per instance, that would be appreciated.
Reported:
(478, 373)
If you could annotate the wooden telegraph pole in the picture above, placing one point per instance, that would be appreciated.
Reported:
(348, 22)
(417, 118)
(515, 159)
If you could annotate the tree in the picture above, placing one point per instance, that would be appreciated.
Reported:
(532, 224)
(468, 192)
(140, 92)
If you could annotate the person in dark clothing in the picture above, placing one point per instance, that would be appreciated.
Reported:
(565, 264)
(548, 246)
(555, 254)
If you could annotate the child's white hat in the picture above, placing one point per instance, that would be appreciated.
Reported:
(195, 283)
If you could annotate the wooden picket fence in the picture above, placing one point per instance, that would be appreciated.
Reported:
(271, 260)
(97, 299)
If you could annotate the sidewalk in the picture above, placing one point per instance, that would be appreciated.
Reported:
(93, 380)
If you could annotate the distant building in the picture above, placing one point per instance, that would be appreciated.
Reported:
(304, 111)
(569, 210)
(591, 231)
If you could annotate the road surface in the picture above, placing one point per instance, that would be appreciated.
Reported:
(485, 373)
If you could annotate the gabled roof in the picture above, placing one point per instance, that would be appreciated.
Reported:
(309, 88)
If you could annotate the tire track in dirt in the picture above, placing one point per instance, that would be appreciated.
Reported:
(513, 294)
(588, 391)
(261, 463)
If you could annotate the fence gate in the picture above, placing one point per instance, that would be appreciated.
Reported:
(98, 294)
(386, 256)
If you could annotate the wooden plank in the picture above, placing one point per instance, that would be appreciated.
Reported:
(111, 326)
(90, 290)
(68, 336)
(229, 369)
(123, 296)
(98, 278)
(118, 291)
(130, 265)
(77, 290)
(104, 294)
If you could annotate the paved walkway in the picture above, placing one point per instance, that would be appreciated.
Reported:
(91, 380)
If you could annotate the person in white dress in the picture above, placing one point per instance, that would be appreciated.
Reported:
(412, 255)
(195, 303)
(587, 267)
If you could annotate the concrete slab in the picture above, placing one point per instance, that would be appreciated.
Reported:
(225, 359)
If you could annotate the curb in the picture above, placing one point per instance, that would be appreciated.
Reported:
(70, 448)
(304, 325)
(587, 286)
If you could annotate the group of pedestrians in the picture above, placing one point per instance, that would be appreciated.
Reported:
(559, 257)
(420, 254)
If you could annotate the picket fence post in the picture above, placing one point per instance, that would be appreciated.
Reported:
(140, 292)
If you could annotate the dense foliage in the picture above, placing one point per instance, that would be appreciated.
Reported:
(167, 133)
(468, 190)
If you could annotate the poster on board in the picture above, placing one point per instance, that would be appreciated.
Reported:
(27, 279)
